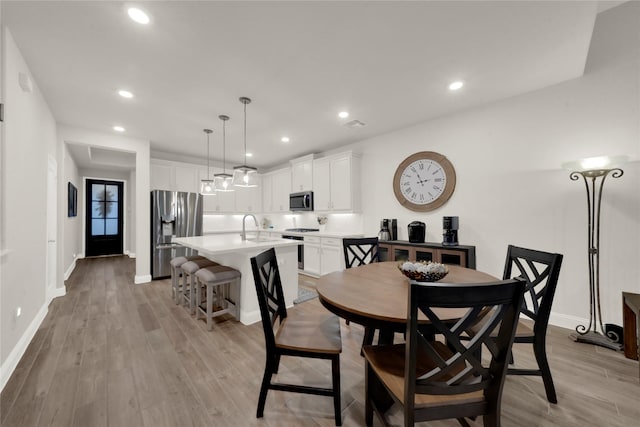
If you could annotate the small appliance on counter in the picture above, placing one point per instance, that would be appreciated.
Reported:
(388, 229)
(450, 230)
(417, 231)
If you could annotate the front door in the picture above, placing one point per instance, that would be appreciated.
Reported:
(104, 209)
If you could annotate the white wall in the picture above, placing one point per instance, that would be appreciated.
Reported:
(140, 223)
(29, 138)
(510, 187)
(71, 236)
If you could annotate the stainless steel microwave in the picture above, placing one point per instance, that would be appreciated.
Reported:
(301, 201)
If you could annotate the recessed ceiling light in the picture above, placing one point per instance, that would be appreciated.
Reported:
(249, 154)
(285, 139)
(118, 128)
(137, 15)
(125, 94)
(343, 114)
(456, 85)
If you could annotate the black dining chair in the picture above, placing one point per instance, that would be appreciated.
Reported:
(286, 333)
(432, 380)
(357, 252)
(540, 270)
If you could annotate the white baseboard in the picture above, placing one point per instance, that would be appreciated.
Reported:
(142, 279)
(131, 254)
(566, 321)
(16, 354)
(72, 267)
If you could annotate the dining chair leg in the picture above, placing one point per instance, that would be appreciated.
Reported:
(335, 373)
(543, 364)
(209, 311)
(276, 365)
(264, 388)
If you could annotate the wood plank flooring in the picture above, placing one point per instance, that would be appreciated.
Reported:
(112, 353)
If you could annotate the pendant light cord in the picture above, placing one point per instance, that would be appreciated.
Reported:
(245, 133)
(224, 146)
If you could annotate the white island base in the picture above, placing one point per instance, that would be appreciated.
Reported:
(231, 251)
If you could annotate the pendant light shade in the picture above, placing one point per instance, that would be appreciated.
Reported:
(243, 175)
(223, 181)
(207, 187)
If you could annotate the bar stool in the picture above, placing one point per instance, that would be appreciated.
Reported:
(218, 280)
(176, 275)
(189, 269)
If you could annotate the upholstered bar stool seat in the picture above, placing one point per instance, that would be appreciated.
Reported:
(176, 275)
(189, 270)
(218, 281)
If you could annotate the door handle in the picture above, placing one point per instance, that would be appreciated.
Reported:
(51, 241)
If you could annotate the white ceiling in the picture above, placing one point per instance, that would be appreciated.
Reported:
(387, 63)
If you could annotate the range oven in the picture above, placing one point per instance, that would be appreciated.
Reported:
(300, 247)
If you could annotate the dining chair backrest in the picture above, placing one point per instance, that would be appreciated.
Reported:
(433, 368)
(360, 251)
(540, 270)
(273, 309)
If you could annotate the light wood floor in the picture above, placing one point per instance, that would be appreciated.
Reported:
(111, 353)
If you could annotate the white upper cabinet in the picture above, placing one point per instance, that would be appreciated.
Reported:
(174, 176)
(280, 190)
(267, 200)
(162, 177)
(187, 179)
(249, 199)
(336, 183)
(302, 174)
(276, 187)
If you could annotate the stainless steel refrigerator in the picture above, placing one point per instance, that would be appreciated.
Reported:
(173, 214)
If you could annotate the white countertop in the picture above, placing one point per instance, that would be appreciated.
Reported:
(228, 243)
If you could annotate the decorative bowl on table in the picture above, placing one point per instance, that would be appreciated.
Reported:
(423, 271)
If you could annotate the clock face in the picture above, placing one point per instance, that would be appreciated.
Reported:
(424, 181)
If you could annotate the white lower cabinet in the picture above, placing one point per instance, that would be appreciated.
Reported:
(322, 255)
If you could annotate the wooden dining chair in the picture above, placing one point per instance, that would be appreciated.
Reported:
(432, 380)
(540, 270)
(292, 334)
(357, 252)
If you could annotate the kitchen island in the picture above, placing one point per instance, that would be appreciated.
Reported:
(232, 251)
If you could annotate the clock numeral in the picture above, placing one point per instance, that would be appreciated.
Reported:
(438, 180)
(407, 190)
(413, 196)
(406, 183)
(422, 197)
(435, 172)
(421, 166)
(435, 187)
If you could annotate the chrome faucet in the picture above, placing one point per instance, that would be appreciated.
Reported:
(244, 232)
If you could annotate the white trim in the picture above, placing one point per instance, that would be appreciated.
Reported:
(566, 321)
(131, 254)
(142, 279)
(72, 267)
(55, 293)
(11, 362)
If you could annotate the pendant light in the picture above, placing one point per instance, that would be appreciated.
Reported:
(223, 181)
(243, 175)
(206, 185)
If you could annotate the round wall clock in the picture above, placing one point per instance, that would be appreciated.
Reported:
(424, 181)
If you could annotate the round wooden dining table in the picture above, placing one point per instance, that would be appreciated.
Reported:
(376, 295)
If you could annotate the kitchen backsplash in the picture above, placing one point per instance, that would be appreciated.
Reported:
(335, 222)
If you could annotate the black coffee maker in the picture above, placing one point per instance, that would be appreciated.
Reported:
(450, 230)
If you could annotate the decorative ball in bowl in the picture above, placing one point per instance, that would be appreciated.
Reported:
(423, 271)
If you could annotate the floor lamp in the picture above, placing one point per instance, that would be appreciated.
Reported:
(594, 172)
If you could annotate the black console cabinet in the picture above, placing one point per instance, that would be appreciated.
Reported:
(402, 250)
